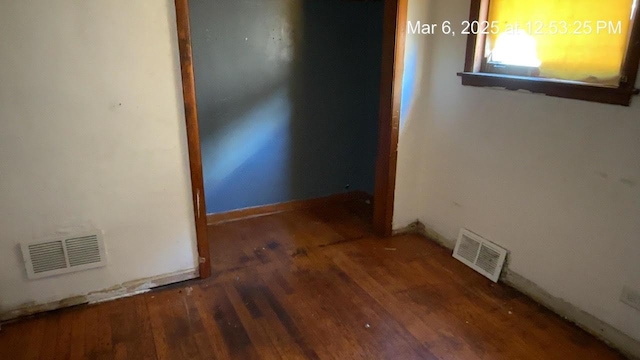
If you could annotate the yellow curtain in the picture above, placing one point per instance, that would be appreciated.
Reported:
(581, 51)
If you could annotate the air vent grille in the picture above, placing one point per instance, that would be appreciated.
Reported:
(488, 259)
(468, 249)
(64, 255)
(480, 254)
(47, 257)
(83, 250)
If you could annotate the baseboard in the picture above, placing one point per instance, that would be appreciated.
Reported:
(251, 212)
(129, 288)
(603, 331)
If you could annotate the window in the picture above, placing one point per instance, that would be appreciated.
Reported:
(579, 49)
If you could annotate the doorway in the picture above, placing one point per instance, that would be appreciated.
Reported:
(258, 101)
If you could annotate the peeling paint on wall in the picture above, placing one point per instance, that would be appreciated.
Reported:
(127, 289)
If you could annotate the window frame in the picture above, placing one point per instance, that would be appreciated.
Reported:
(621, 95)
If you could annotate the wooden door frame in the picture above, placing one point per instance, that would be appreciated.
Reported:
(193, 136)
(393, 43)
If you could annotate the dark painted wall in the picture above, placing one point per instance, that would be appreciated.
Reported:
(287, 96)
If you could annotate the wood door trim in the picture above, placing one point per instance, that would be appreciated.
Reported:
(193, 136)
(393, 46)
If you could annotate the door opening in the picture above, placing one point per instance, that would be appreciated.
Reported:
(392, 58)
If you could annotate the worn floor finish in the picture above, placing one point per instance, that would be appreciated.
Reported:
(312, 284)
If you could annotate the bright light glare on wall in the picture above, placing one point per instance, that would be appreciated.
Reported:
(516, 48)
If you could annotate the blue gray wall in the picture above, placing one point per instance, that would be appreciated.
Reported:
(287, 96)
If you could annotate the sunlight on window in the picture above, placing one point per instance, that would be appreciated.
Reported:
(516, 48)
(578, 40)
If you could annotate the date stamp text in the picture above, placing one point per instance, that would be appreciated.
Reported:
(466, 27)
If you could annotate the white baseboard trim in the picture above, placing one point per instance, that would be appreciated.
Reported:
(129, 288)
(605, 332)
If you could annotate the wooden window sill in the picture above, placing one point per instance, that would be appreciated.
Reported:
(550, 87)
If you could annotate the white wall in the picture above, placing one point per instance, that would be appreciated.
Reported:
(557, 182)
(92, 134)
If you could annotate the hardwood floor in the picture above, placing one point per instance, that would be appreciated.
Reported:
(312, 284)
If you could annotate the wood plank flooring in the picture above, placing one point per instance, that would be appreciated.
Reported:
(312, 284)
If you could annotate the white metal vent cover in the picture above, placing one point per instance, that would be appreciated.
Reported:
(480, 254)
(64, 255)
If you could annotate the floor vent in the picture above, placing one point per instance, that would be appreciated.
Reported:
(480, 254)
(63, 255)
